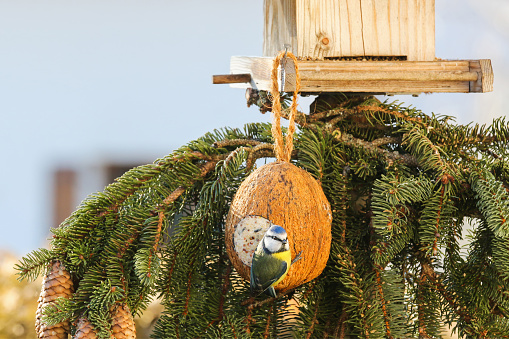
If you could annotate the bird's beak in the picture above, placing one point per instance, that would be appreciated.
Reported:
(285, 242)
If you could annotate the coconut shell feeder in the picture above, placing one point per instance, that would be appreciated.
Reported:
(283, 194)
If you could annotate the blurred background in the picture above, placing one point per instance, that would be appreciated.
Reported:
(89, 89)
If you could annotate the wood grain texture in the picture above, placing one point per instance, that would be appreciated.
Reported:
(485, 82)
(452, 76)
(321, 29)
(280, 27)
(487, 71)
(350, 23)
(231, 78)
(259, 68)
(389, 75)
(318, 28)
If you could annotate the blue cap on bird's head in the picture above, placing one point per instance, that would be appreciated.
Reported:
(276, 230)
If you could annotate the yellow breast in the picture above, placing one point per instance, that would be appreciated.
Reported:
(284, 256)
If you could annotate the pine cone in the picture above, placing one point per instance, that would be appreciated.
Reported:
(122, 323)
(57, 283)
(84, 329)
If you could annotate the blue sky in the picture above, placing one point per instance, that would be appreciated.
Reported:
(83, 82)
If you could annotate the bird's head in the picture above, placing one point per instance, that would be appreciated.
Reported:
(276, 240)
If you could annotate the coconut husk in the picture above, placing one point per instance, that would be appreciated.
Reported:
(290, 197)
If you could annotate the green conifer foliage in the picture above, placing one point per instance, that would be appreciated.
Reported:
(402, 186)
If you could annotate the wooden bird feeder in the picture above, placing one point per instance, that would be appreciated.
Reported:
(375, 46)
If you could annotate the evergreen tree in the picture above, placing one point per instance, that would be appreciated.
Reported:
(402, 186)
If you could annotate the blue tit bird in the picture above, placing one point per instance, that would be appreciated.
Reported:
(271, 261)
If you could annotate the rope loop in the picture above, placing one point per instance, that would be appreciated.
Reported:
(283, 150)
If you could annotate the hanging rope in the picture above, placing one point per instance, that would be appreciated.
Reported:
(283, 150)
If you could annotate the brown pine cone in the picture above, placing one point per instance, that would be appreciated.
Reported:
(84, 329)
(57, 283)
(122, 323)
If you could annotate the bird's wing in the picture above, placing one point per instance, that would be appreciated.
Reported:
(267, 272)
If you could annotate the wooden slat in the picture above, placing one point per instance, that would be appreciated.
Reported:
(375, 28)
(390, 75)
(404, 30)
(372, 76)
(381, 22)
(419, 19)
(475, 86)
(395, 28)
(351, 42)
(484, 83)
(396, 87)
(259, 67)
(487, 78)
(280, 26)
(231, 78)
(429, 31)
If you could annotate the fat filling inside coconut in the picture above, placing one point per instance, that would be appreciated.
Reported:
(248, 233)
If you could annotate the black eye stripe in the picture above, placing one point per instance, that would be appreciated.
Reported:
(275, 238)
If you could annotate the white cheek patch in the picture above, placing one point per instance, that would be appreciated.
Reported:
(248, 233)
(272, 245)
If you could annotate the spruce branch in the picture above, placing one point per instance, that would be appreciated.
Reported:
(57, 312)
(204, 170)
(429, 155)
(429, 273)
(394, 156)
(386, 140)
(396, 113)
(249, 320)
(364, 113)
(146, 258)
(259, 151)
(169, 276)
(339, 331)
(421, 306)
(492, 201)
(267, 323)
(34, 264)
(399, 184)
(251, 302)
(434, 248)
(188, 291)
(300, 117)
(356, 296)
(324, 115)
(224, 291)
(383, 302)
(350, 140)
(483, 137)
(314, 321)
(235, 142)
